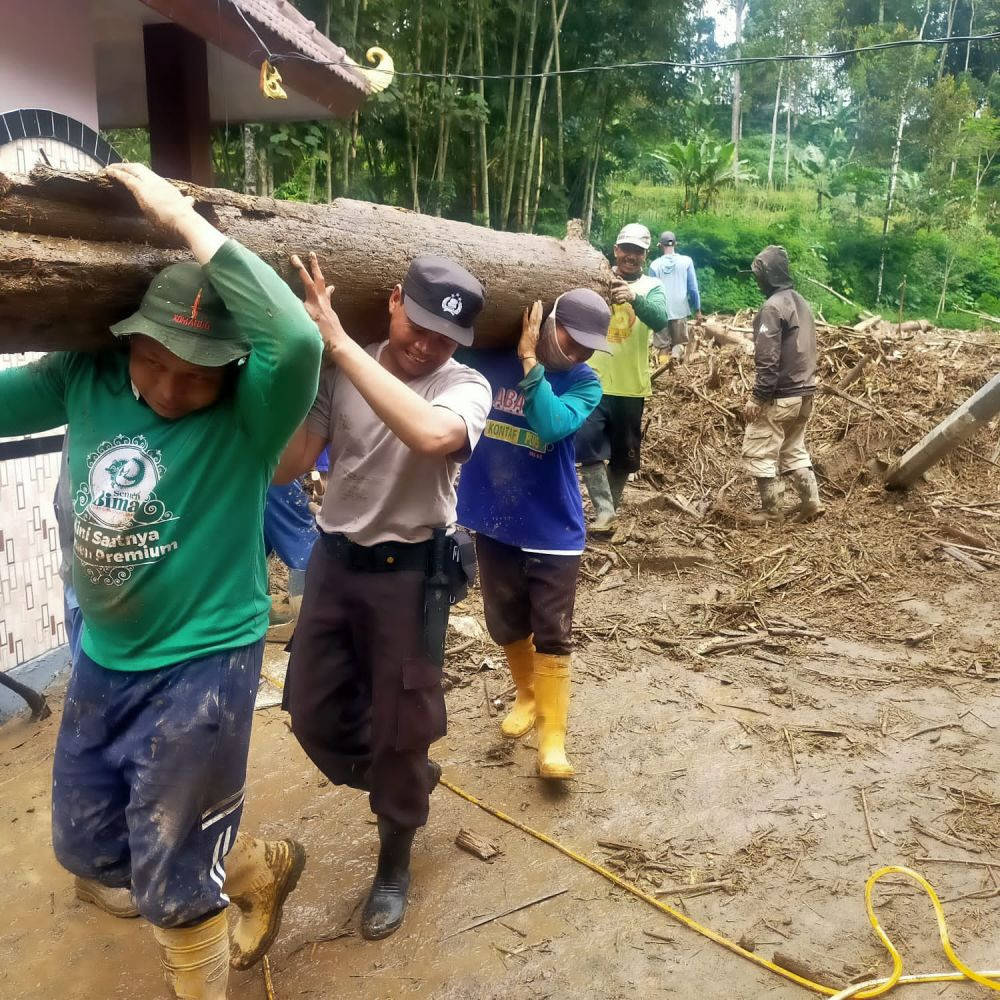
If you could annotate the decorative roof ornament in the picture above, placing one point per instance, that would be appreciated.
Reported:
(382, 72)
(270, 82)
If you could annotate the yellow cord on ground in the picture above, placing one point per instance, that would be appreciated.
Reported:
(874, 988)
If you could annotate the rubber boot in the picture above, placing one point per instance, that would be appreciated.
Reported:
(282, 626)
(810, 506)
(195, 959)
(616, 482)
(521, 660)
(117, 902)
(770, 501)
(552, 699)
(386, 903)
(260, 874)
(595, 477)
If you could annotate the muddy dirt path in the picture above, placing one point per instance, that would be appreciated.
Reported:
(730, 783)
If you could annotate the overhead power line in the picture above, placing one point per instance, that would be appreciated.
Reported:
(741, 61)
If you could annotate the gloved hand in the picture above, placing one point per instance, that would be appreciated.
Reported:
(622, 292)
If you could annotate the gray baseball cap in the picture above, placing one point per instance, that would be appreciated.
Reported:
(585, 316)
(668, 237)
(442, 296)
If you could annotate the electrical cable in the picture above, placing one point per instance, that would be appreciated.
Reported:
(740, 61)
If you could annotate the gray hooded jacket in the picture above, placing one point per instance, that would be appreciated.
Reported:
(784, 333)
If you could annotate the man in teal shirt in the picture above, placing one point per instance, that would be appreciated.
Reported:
(174, 438)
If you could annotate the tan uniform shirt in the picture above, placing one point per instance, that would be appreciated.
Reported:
(380, 490)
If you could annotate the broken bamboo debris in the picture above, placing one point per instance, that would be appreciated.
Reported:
(76, 255)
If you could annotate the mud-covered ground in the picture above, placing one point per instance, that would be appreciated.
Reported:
(742, 695)
(686, 777)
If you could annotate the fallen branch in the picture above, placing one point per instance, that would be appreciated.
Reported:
(505, 913)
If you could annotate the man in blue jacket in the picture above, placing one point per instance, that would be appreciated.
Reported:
(520, 494)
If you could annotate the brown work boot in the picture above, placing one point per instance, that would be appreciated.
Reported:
(117, 902)
(260, 875)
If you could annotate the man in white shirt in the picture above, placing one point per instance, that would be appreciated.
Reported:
(364, 678)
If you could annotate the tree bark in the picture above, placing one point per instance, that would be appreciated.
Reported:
(737, 117)
(249, 162)
(944, 48)
(972, 21)
(774, 127)
(76, 256)
(521, 124)
(524, 211)
(484, 159)
(560, 150)
(788, 134)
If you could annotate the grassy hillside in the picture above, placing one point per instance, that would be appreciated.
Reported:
(835, 247)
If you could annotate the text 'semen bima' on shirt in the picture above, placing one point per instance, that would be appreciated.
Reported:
(379, 489)
(168, 557)
(520, 485)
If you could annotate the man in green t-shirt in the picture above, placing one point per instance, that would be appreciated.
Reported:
(174, 438)
(613, 432)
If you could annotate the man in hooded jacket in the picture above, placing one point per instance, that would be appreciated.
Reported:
(778, 412)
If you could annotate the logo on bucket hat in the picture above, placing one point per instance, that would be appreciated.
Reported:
(183, 312)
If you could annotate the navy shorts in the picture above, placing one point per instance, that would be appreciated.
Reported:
(289, 526)
(613, 434)
(148, 778)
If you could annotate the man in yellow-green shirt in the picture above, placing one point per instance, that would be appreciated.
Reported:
(607, 446)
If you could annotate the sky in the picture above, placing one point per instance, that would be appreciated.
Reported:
(725, 20)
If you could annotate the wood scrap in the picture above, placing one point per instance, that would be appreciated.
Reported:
(505, 913)
(476, 844)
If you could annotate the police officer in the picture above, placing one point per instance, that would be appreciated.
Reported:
(364, 679)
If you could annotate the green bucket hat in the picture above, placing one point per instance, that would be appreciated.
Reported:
(182, 311)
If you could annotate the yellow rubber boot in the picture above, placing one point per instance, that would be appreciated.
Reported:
(552, 699)
(521, 660)
(260, 874)
(195, 959)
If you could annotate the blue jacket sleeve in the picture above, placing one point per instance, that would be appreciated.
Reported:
(694, 296)
(554, 417)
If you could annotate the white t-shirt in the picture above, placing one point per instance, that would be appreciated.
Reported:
(379, 490)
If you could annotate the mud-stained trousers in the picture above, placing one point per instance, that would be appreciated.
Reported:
(775, 443)
(149, 775)
(365, 698)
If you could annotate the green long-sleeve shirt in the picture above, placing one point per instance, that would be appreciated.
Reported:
(168, 560)
(625, 372)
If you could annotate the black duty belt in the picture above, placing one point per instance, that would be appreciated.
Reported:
(385, 557)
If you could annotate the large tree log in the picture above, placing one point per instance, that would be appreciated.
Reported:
(76, 256)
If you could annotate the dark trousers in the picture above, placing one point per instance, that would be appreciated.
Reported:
(527, 593)
(148, 778)
(366, 700)
(613, 434)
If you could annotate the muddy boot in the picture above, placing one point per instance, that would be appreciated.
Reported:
(386, 903)
(616, 483)
(195, 959)
(433, 773)
(281, 627)
(810, 506)
(117, 902)
(552, 687)
(260, 874)
(770, 500)
(521, 660)
(595, 477)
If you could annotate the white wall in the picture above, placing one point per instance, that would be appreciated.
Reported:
(47, 57)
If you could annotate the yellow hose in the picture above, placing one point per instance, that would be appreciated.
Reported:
(874, 988)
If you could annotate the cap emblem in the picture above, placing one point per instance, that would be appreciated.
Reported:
(452, 304)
